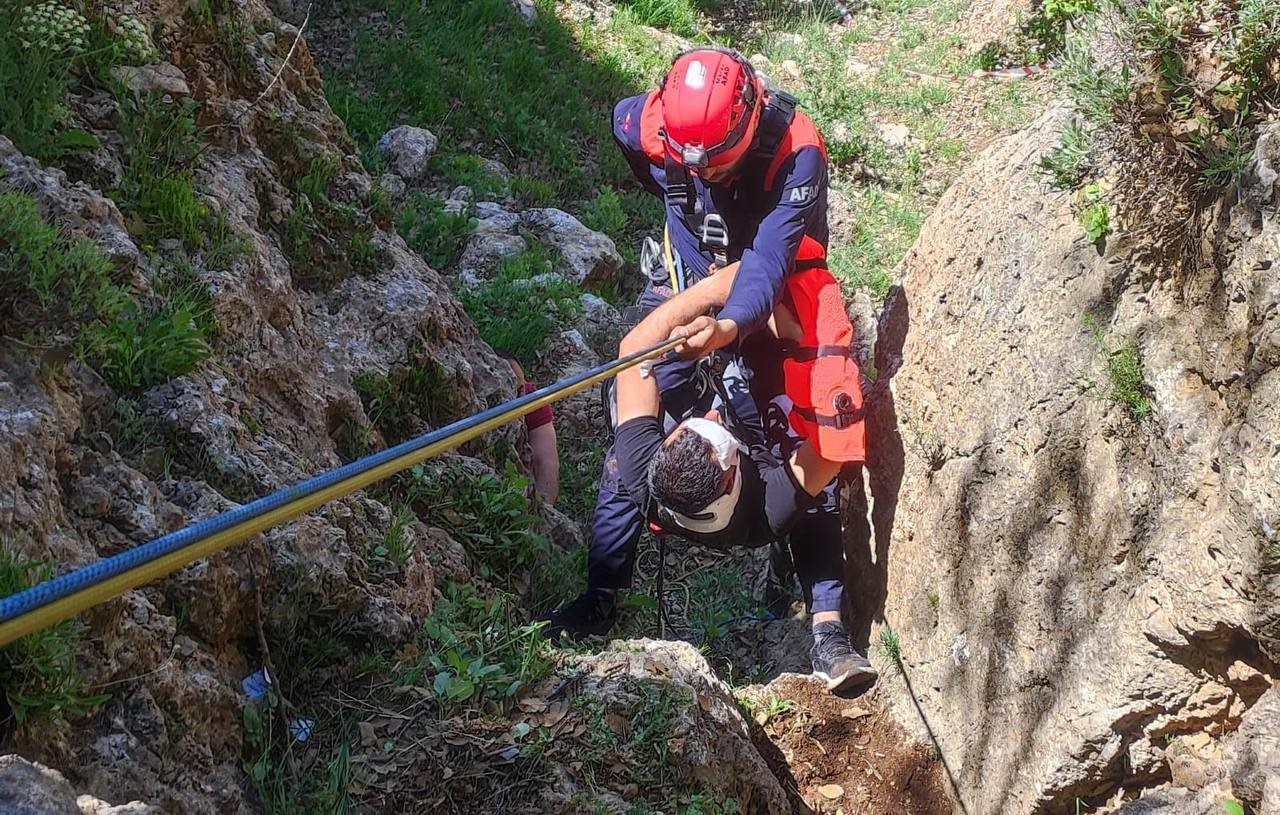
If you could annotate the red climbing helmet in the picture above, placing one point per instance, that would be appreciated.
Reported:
(711, 101)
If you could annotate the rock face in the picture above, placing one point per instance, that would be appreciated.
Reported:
(587, 257)
(709, 741)
(1244, 768)
(28, 788)
(272, 407)
(1073, 588)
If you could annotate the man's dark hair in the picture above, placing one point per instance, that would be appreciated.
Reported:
(684, 476)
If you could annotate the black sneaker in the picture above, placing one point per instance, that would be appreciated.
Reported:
(592, 614)
(836, 661)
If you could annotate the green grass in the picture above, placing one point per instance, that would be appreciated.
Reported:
(677, 16)
(889, 645)
(476, 70)
(643, 747)
(764, 710)
(39, 674)
(327, 242)
(288, 786)
(885, 226)
(470, 171)
(523, 306)
(626, 217)
(416, 394)
(53, 284)
(437, 235)
(719, 595)
(161, 143)
(1127, 385)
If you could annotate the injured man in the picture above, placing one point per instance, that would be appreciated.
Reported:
(712, 482)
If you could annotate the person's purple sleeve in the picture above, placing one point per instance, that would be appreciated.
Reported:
(627, 116)
(765, 266)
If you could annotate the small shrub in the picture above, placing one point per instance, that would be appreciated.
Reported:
(47, 280)
(325, 243)
(393, 551)
(39, 672)
(40, 45)
(492, 517)
(1097, 89)
(765, 710)
(223, 246)
(140, 349)
(1225, 155)
(523, 306)
(1066, 165)
(135, 41)
(889, 645)
(1095, 213)
(477, 652)
(437, 235)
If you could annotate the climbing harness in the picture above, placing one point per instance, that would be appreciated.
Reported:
(48, 603)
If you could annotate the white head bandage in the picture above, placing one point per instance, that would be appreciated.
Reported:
(722, 441)
(727, 449)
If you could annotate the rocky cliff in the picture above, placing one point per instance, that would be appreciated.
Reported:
(1078, 580)
(274, 403)
(1065, 546)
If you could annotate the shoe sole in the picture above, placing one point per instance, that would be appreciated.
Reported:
(849, 679)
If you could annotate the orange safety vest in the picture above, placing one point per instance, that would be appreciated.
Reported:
(819, 373)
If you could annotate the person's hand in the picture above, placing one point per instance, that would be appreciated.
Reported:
(704, 335)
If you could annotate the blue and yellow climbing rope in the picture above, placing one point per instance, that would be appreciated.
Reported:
(52, 601)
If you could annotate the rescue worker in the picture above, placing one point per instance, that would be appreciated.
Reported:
(744, 177)
(706, 481)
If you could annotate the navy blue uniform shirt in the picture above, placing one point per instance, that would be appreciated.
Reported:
(768, 207)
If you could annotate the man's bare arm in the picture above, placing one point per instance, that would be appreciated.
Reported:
(638, 396)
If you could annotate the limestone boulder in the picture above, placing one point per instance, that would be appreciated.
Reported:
(587, 257)
(408, 150)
